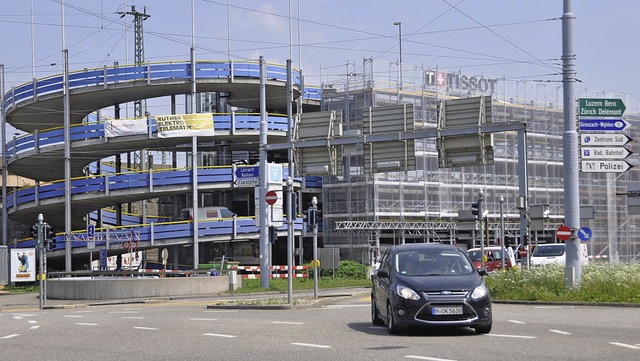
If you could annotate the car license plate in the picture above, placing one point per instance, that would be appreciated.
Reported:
(446, 311)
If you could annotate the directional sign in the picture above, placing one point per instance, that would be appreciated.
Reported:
(603, 124)
(585, 233)
(247, 176)
(91, 230)
(563, 233)
(604, 139)
(605, 166)
(597, 107)
(604, 152)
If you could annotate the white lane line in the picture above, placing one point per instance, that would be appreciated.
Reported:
(218, 335)
(34, 327)
(133, 317)
(10, 336)
(509, 336)
(310, 345)
(86, 324)
(552, 307)
(287, 323)
(145, 328)
(131, 308)
(516, 321)
(18, 318)
(73, 316)
(203, 319)
(221, 311)
(32, 321)
(347, 306)
(625, 345)
(427, 358)
(560, 332)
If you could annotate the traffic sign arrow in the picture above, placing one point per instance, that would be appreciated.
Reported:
(604, 152)
(603, 124)
(605, 166)
(599, 107)
(604, 139)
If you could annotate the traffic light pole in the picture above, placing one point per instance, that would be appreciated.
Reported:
(481, 221)
(40, 243)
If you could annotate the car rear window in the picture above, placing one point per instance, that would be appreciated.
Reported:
(549, 250)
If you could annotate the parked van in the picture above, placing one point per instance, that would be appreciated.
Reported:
(186, 214)
(554, 253)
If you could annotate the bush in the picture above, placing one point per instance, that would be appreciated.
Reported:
(346, 269)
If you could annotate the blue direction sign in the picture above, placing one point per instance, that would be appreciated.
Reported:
(584, 233)
(247, 176)
(91, 231)
(603, 124)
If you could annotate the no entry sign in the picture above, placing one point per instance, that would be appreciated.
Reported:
(271, 197)
(563, 233)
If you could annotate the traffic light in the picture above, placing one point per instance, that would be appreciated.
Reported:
(272, 235)
(474, 208)
(49, 236)
(34, 232)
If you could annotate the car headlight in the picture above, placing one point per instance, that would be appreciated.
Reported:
(407, 293)
(480, 292)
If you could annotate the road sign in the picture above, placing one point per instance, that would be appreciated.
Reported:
(585, 233)
(247, 176)
(563, 233)
(91, 231)
(271, 197)
(604, 152)
(603, 124)
(604, 166)
(275, 173)
(604, 139)
(598, 107)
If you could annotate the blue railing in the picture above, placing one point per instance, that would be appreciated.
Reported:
(153, 72)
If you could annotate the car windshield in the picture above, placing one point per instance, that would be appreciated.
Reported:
(548, 250)
(432, 262)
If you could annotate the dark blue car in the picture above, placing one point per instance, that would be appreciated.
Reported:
(429, 285)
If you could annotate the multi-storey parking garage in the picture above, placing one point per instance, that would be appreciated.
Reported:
(97, 178)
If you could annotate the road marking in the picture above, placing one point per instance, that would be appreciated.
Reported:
(18, 317)
(86, 324)
(145, 328)
(203, 319)
(310, 345)
(287, 323)
(552, 307)
(221, 311)
(561, 332)
(509, 336)
(218, 335)
(125, 312)
(34, 327)
(428, 358)
(131, 308)
(133, 317)
(73, 316)
(516, 321)
(10, 336)
(347, 306)
(32, 321)
(625, 345)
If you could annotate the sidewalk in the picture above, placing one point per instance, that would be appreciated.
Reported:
(30, 301)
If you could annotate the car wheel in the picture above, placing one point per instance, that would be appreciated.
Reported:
(375, 316)
(483, 328)
(391, 322)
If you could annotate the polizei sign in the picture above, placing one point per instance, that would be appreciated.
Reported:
(460, 82)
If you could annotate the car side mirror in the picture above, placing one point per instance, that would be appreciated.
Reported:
(382, 273)
(482, 271)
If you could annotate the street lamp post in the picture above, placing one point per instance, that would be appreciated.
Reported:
(399, 24)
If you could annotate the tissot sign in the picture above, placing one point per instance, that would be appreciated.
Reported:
(460, 82)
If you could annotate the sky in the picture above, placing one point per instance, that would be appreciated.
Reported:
(512, 39)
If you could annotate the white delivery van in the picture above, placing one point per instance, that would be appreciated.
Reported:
(186, 214)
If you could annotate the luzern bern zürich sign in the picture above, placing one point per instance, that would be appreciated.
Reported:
(600, 107)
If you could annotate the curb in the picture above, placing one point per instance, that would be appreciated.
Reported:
(590, 304)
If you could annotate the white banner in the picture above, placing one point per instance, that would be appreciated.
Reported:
(23, 265)
(185, 125)
(123, 127)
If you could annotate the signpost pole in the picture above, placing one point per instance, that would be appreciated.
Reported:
(40, 253)
(573, 270)
(314, 202)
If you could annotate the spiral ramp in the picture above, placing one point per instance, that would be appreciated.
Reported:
(37, 108)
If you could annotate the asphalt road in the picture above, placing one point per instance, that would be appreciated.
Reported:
(339, 330)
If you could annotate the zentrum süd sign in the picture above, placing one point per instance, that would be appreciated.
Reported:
(460, 82)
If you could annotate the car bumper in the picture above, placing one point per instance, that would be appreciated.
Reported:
(421, 313)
